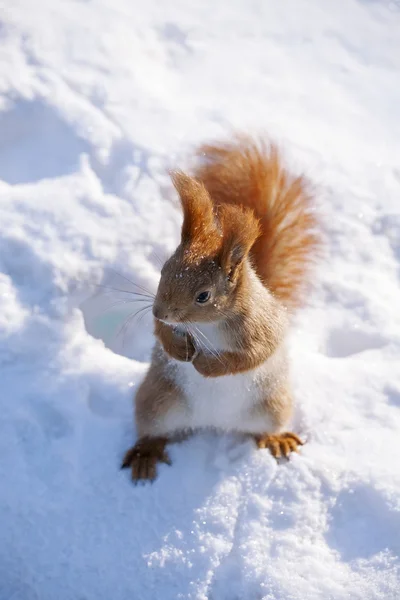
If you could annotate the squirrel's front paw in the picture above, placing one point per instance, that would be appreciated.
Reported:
(181, 349)
(178, 345)
(143, 458)
(200, 364)
(207, 365)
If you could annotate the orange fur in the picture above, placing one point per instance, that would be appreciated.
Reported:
(199, 228)
(240, 231)
(250, 174)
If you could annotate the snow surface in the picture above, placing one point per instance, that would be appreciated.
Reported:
(97, 99)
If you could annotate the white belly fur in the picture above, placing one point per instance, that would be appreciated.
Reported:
(226, 402)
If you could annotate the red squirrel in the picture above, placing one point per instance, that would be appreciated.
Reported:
(249, 236)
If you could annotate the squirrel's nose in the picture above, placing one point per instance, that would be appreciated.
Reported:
(160, 313)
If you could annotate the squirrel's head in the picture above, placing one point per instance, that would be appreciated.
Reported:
(202, 279)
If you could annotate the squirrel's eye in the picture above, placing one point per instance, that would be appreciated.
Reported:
(203, 297)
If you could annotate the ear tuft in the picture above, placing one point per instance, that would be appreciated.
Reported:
(240, 231)
(197, 207)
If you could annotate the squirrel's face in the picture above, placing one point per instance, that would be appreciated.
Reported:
(193, 289)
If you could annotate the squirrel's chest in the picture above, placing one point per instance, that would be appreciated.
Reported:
(223, 402)
(220, 396)
(227, 402)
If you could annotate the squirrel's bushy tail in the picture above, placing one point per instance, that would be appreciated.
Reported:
(250, 173)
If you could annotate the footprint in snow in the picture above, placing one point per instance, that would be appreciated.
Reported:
(343, 343)
(39, 430)
(363, 524)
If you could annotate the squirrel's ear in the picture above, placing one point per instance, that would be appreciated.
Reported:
(197, 206)
(240, 231)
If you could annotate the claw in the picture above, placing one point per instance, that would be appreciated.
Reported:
(281, 444)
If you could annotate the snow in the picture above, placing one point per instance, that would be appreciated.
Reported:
(97, 100)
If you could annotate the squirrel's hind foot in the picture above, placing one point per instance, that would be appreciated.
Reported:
(281, 444)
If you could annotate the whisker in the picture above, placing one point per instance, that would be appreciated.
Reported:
(108, 287)
(192, 333)
(130, 318)
(161, 263)
(211, 348)
(125, 328)
(144, 312)
(204, 341)
(198, 341)
(132, 283)
(116, 303)
(187, 348)
(190, 329)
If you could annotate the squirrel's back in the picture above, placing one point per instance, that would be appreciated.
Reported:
(250, 173)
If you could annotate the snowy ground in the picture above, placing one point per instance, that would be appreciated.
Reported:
(97, 99)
